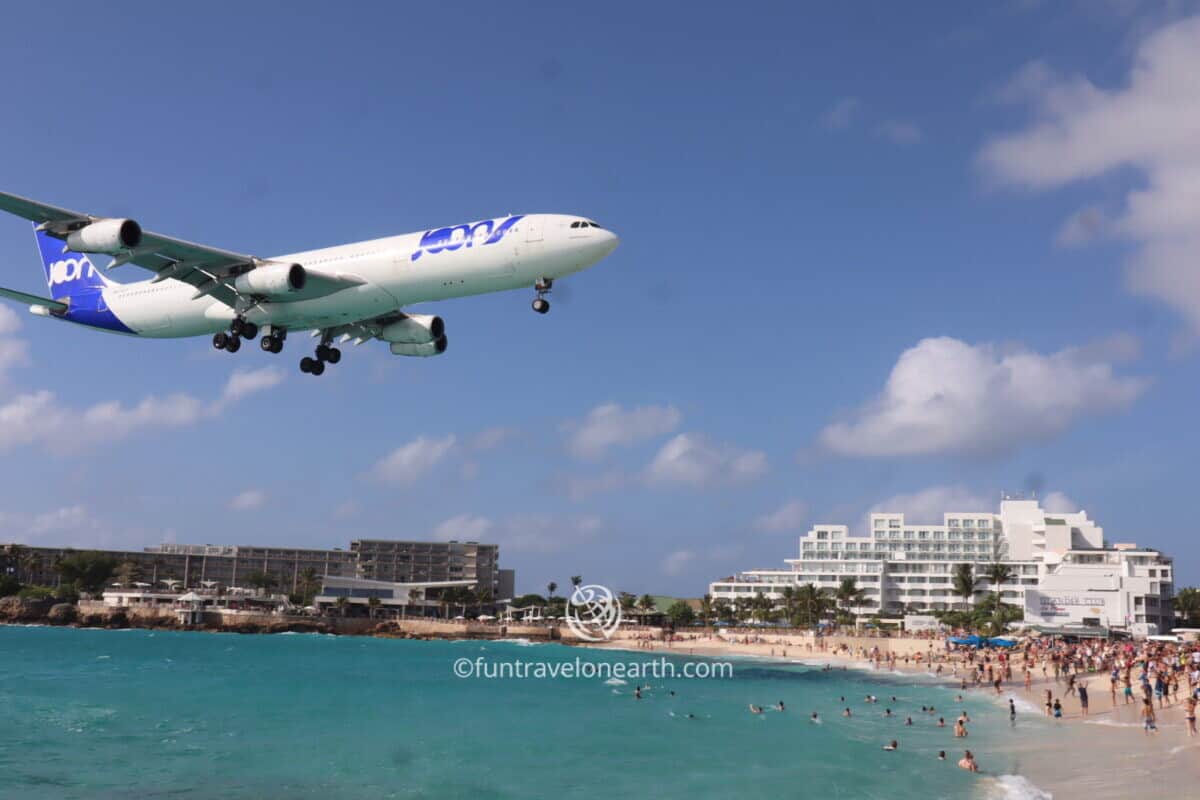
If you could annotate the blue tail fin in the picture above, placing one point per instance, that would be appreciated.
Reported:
(68, 274)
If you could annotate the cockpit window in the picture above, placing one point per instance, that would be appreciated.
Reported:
(584, 224)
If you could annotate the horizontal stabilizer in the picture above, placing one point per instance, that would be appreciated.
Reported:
(32, 299)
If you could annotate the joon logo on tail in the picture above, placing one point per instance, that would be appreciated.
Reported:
(67, 270)
(483, 233)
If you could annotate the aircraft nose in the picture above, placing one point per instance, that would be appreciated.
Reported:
(611, 240)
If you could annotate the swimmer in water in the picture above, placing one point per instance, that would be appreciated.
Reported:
(846, 713)
(637, 693)
(755, 709)
(907, 721)
(893, 745)
(967, 762)
(887, 712)
(941, 755)
(779, 706)
(941, 722)
(815, 718)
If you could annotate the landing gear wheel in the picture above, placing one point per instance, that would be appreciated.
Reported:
(307, 364)
(322, 353)
(249, 331)
(235, 327)
(233, 344)
(318, 368)
(220, 340)
(333, 355)
(541, 306)
(267, 343)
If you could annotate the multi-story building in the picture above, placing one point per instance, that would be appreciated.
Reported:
(200, 565)
(909, 567)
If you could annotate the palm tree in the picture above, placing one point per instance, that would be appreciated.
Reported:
(788, 596)
(1187, 603)
(628, 600)
(850, 595)
(963, 581)
(998, 573)
(127, 573)
(342, 603)
(706, 609)
(373, 604)
(310, 584)
(550, 587)
(576, 580)
(811, 605)
(646, 603)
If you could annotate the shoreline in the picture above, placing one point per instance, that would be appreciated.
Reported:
(1104, 756)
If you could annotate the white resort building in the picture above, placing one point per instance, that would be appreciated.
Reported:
(1063, 572)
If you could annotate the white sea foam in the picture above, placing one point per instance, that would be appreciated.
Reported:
(1017, 787)
(615, 682)
(520, 642)
(1111, 723)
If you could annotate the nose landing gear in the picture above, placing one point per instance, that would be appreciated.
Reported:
(540, 304)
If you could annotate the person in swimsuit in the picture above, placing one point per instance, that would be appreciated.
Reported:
(1190, 715)
(967, 762)
(893, 745)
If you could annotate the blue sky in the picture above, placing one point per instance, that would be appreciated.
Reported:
(870, 255)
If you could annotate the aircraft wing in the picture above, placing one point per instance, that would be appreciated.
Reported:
(210, 269)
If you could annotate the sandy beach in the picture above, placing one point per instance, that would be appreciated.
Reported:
(1103, 756)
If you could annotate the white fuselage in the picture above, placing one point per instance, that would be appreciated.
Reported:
(394, 272)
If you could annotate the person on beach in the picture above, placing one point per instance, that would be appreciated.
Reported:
(1012, 711)
(1149, 722)
(1057, 709)
(1083, 698)
(1190, 715)
(1049, 703)
(968, 763)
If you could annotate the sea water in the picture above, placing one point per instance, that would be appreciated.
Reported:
(155, 714)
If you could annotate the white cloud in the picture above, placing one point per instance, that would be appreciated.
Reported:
(407, 464)
(71, 518)
(677, 562)
(14, 352)
(899, 132)
(841, 113)
(37, 418)
(463, 528)
(609, 425)
(947, 396)
(691, 459)
(1059, 503)
(927, 506)
(248, 500)
(246, 382)
(1151, 123)
(491, 438)
(788, 517)
(546, 533)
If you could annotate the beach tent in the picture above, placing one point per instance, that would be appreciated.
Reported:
(974, 641)
(998, 642)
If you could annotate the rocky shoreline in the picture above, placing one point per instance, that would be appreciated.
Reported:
(25, 611)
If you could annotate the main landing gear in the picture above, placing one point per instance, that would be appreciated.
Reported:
(541, 305)
(325, 355)
(239, 329)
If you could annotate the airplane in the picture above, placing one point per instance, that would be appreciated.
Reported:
(352, 292)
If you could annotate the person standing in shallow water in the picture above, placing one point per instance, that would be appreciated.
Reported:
(1083, 698)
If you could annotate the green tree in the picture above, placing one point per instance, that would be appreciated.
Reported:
(681, 614)
(309, 584)
(550, 587)
(850, 596)
(373, 604)
(628, 600)
(342, 603)
(262, 581)
(88, 571)
(706, 609)
(723, 610)
(963, 582)
(127, 573)
(9, 585)
(812, 605)
(646, 603)
(526, 600)
(998, 573)
(1187, 604)
(576, 580)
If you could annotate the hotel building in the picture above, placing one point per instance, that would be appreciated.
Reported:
(1063, 572)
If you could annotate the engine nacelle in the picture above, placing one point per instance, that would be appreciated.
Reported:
(272, 280)
(423, 350)
(415, 329)
(109, 236)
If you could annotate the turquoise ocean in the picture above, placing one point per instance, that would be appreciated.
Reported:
(154, 714)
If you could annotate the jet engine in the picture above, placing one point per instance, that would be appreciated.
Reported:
(109, 236)
(272, 280)
(414, 329)
(424, 350)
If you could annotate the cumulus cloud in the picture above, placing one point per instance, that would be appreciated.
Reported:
(14, 352)
(74, 524)
(1059, 503)
(899, 132)
(927, 506)
(247, 382)
(1150, 123)
(609, 425)
(788, 517)
(248, 500)
(546, 533)
(39, 419)
(408, 463)
(491, 438)
(677, 563)
(945, 396)
(841, 113)
(463, 528)
(691, 459)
